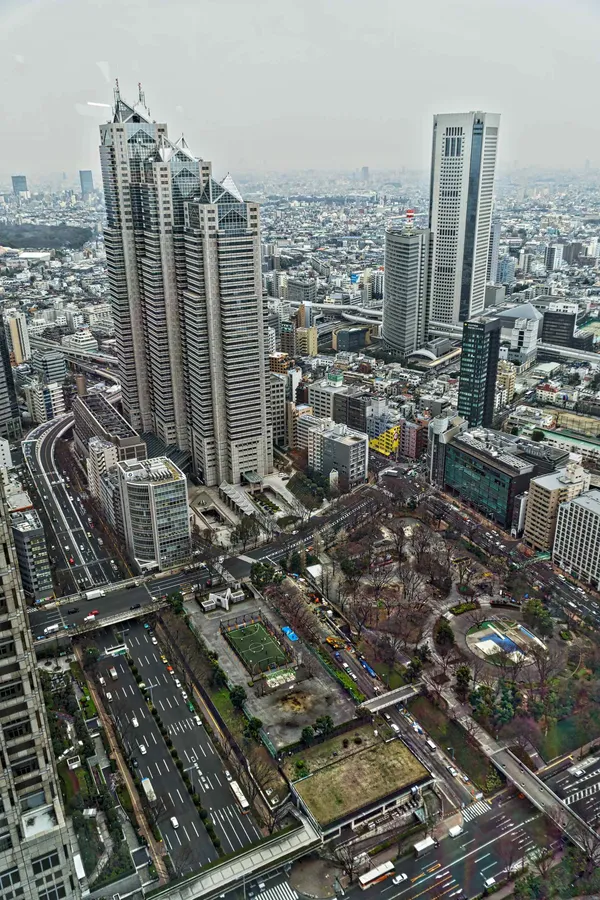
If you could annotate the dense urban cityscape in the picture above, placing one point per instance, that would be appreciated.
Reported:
(300, 513)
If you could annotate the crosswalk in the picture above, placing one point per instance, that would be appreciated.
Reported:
(279, 892)
(476, 809)
(585, 792)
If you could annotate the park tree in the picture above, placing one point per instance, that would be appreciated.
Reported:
(463, 682)
(252, 729)
(414, 669)
(237, 695)
(263, 574)
(246, 530)
(324, 725)
(307, 735)
(536, 616)
(444, 636)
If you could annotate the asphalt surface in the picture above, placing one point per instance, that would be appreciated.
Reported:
(117, 598)
(189, 844)
(492, 841)
(579, 788)
(69, 526)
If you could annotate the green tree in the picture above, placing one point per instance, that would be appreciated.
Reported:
(252, 729)
(237, 695)
(263, 574)
(444, 636)
(537, 435)
(463, 682)
(307, 734)
(536, 616)
(324, 725)
(414, 669)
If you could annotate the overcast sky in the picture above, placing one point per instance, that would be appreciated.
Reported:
(298, 84)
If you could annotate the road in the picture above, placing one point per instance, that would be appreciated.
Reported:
(75, 543)
(579, 787)
(189, 844)
(493, 840)
(117, 599)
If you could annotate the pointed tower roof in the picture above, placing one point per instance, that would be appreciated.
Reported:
(229, 184)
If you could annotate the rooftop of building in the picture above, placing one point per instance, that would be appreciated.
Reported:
(25, 521)
(107, 415)
(560, 479)
(150, 470)
(589, 501)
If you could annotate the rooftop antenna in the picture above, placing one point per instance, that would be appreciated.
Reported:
(117, 92)
(141, 95)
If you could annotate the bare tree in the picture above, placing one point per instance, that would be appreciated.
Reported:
(398, 537)
(420, 540)
(359, 612)
(344, 856)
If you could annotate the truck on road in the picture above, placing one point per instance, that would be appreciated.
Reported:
(148, 790)
(113, 673)
(93, 595)
(423, 846)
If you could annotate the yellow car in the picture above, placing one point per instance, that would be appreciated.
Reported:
(164, 659)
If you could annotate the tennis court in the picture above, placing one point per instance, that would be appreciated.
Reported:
(257, 649)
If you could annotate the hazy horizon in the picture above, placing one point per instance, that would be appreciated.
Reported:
(285, 87)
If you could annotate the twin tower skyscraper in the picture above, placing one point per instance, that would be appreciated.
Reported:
(184, 265)
(435, 277)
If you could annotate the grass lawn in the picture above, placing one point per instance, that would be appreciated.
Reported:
(74, 781)
(359, 778)
(233, 719)
(571, 733)
(320, 755)
(258, 650)
(394, 677)
(449, 734)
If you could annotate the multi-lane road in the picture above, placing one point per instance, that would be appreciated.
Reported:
(117, 599)
(75, 544)
(188, 843)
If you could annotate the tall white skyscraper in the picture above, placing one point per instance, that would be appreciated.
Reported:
(406, 288)
(183, 253)
(463, 165)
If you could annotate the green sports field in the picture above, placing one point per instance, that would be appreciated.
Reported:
(258, 650)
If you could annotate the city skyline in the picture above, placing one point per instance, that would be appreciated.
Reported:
(270, 121)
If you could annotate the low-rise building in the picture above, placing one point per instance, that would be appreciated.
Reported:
(334, 448)
(44, 401)
(102, 458)
(95, 417)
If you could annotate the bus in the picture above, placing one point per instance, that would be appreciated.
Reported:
(374, 875)
(368, 668)
(239, 796)
(148, 790)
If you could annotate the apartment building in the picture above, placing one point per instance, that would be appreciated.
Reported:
(546, 493)
(577, 540)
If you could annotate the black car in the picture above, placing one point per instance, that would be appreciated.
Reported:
(72, 610)
(136, 606)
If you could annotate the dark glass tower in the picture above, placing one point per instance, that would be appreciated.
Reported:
(478, 370)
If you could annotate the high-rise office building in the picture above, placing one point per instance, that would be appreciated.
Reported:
(546, 493)
(155, 512)
(460, 213)
(578, 537)
(86, 180)
(478, 370)
(17, 336)
(184, 264)
(492, 267)
(19, 184)
(36, 859)
(406, 287)
(553, 257)
(301, 290)
(10, 420)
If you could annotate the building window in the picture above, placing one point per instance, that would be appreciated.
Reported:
(55, 892)
(43, 863)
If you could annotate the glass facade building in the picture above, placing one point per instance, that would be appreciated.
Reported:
(478, 371)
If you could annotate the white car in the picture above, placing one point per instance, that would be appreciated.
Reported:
(228, 775)
(109, 696)
(197, 720)
(177, 683)
(143, 750)
(184, 695)
(398, 879)
(135, 722)
(154, 641)
(394, 727)
(174, 822)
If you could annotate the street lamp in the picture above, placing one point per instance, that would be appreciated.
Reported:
(451, 750)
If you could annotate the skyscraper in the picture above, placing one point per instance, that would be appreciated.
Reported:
(460, 211)
(19, 184)
(10, 420)
(406, 287)
(86, 179)
(17, 336)
(183, 253)
(492, 267)
(36, 861)
(478, 370)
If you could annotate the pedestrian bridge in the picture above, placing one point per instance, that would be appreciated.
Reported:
(398, 695)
